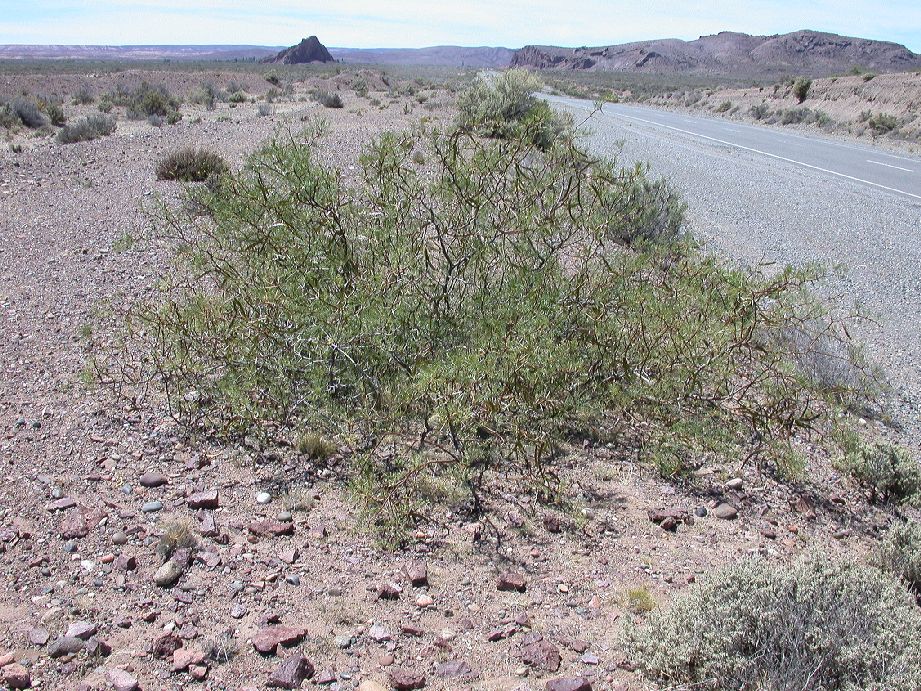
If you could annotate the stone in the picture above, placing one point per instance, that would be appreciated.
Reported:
(406, 680)
(289, 556)
(267, 640)
(541, 655)
(418, 575)
(74, 525)
(669, 524)
(204, 500)
(83, 630)
(726, 512)
(568, 684)
(370, 685)
(512, 581)
(119, 539)
(39, 636)
(96, 647)
(263, 498)
(122, 680)
(424, 601)
(453, 669)
(378, 634)
(65, 646)
(167, 575)
(126, 562)
(165, 645)
(152, 506)
(389, 591)
(15, 676)
(183, 658)
(291, 673)
(62, 504)
(198, 672)
(152, 479)
(271, 528)
(735, 484)
(207, 527)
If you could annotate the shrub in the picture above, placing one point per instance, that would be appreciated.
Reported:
(816, 624)
(28, 113)
(272, 78)
(56, 114)
(315, 446)
(191, 165)
(178, 533)
(760, 111)
(84, 96)
(105, 105)
(882, 123)
(723, 107)
(86, 129)
(8, 118)
(237, 97)
(801, 88)
(206, 95)
(150, 100)
(885, 470)
(265, 109)
(485, 307)
(504, 106)
(900, 554)
(639, 601)
(327, 99)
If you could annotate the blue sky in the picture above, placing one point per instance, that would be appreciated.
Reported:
(415, 23)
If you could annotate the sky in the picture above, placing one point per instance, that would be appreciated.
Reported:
(417, 23)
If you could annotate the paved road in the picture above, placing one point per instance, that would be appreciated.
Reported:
(760, 194)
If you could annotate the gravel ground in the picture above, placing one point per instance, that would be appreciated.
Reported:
(756, 210)
(90, 486)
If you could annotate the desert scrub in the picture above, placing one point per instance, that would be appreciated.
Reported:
(900, 554)
(801, 87)
(28, 112)
(886, 471)
(504, 106)
(474, 315)
(327, 99)
(86, 129)
(882, 123)
(191, 165)
(148, 100)
(816, 624)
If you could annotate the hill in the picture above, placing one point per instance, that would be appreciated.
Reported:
(809, 52)
(308, 50)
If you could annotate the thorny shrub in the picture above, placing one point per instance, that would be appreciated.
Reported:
(468, 317)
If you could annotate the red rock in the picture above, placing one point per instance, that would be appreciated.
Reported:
(198, 672)
(122, 680)
(418, 575)
(389, 591)
(267, 640)
(291, 673)
(269, 528)
(289, 556)
(542, 655)
(81, 629)
(126, 563)
(453, 669)
(39, 636)
(406, 680)
(15, 676)
(512, 581)
(412, 630)
(62, 504)
(204, 500)
(74, 525)
(206, 525)
(96, 647)
(152, 479)
(183, 658)
(165, 645)
(568, 684)
(7, 659)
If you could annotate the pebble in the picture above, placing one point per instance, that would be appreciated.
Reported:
(152, 479)
(293, 579)
(263, 498)
(152, 506)
(735, 484)
(119, 538)
(726, 512)
(285, 517)
(168, 574)
(291, 673)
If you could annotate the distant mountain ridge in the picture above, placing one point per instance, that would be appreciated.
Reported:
(810, 52)
(147, 52)
(451, 56)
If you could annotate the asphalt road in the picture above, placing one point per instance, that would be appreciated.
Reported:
(764, 195)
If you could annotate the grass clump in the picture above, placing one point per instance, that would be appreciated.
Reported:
(505, 106)
(177, 533)
(87, 129)
(191, 165)
(639, 601)
(315, 446)
(900, 554)
(476, 315)
(84, 96)
(887, 471)
(816, 624)
(149, 100)
(327, 99)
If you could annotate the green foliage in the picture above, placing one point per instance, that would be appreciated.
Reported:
(55, 114)
(191, 165)
(84, 96)
(639, 601)
(504, 106)
(801, 88)
(490, 307)
(8, 118)
(206, 95)
(149, 100)
(315, 446)
(326, 98)
(882, 123)
(105, 105)
(86, 129)
(760, 112)
(814, 624)
(900, 554)
(723, 107)
(272, 78)
(887, 471)
(28, 112)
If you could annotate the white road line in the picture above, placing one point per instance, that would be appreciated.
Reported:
(770, 155)
(880, 163)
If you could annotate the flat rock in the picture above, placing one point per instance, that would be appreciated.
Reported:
(418, 575)
(183, 658)
(291, 673)
(568, 684)
(541, 655)
(512, 581)
(267, 640)
(39, 636)
(453, 669)
(65, 646)
(270, 528)
(204, 500)
(152, 479)
(83, 630)
(727, 512)
(74, 525)
(370, 685)
(406, 680)
(122, 680)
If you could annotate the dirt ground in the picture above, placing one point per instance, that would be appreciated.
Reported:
(90, 485)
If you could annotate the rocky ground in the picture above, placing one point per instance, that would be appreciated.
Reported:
(273, 578)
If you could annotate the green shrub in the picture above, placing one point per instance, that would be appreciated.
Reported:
(723, 107)
(327, 99)
(900, 554)
(206, 95)
(760, 111)
(191, 165)
(28, 112)
(86, 129)
(150, 100)
(272, 78)
(237, 97)
(56, 114)
(84, 96)
(105, 105)
(801, 88)
(886, 471)
(504, 106)
(8, 118)
(816, 624)
(882, 123)
(490, 307)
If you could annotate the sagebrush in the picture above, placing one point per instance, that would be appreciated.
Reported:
(191, 164)
(86, 129)
(900, 554)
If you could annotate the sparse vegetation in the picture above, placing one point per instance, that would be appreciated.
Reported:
(55, 114)
(176, 533)
(315, 446)
(327, 99)
(882, 123)
(900, 554)
(801, 87)
(885, 470)
(639, 601)
(191, 165)
(148, 100)
(87, 129)
(84, 96)
(818, 623)
(28, 112)
(724, 107)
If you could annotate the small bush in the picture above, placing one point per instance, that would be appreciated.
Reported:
(105, 105)
(273, 78)
(760, 111)
(801, 88)
(206, 95)
(28, 113)
(723, 107)
(882, 123)
(178, 533)
(900, 554)
(150, 100)
(191, 165)
(86, 129)
(156, 120)
(639, 601)
(237, 97)
(316, 446)
(815, 624)
(265, 109)
(886, 471)
(327, 99)
(8, 118)
(56, 114)
(84, 96)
